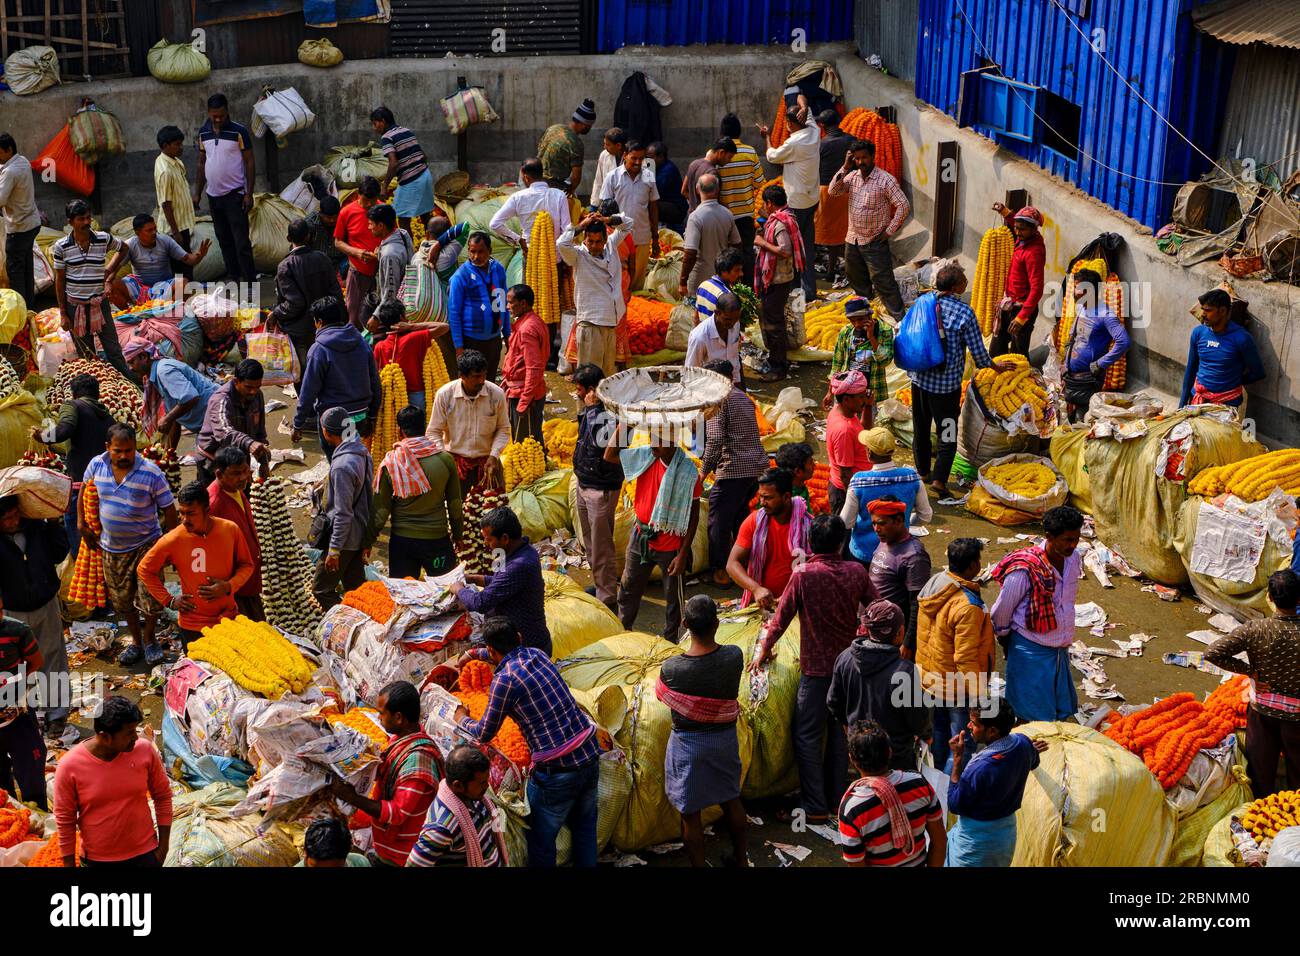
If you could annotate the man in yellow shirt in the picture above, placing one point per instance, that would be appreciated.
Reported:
(172, 188)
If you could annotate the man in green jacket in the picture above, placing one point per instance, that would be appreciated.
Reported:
(418, 485)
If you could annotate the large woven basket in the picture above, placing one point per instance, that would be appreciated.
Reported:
(667, 394)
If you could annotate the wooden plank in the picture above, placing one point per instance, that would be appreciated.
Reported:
(85, 38)
(944, 226)
(1016, 199)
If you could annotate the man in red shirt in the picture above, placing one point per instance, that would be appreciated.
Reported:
(524, 371)
(1024, 288)
(353, 238)
(403, 343)
(772, 540)
(847, 456)
(228, 500)
(666, 500)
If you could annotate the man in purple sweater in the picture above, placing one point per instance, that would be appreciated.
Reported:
(1098, 340)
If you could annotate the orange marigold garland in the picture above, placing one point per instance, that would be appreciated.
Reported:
(647, 324)
(1168, 734)
(373, 598)
(51, 854)
(87, 586)
(15, 822)
(475, 680)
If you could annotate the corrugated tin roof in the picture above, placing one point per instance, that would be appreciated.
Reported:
(1274, 22)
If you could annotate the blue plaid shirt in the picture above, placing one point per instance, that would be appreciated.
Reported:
(528, 688)
(518, 592)
(963, 332)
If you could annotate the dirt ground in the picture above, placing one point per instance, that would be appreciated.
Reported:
(1139, 679)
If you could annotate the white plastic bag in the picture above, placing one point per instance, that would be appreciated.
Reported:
(282, 112)
(789, 403)
(1286, 848)
(42, 493)
(54, 351)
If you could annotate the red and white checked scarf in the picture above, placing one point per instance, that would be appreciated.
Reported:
(900, 827)
(1041, 613)
(765, 268)
(403, 465)
(704, 710)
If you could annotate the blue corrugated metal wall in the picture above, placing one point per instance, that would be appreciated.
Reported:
(1126, 152)
(755, 22)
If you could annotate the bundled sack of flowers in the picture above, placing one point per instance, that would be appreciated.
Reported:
(122, 399)
(1017, 489)
(575, 618)
(206, 832)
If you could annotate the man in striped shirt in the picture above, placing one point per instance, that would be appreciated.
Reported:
(887, 815)
(132, 490)
(409, 770)
(742, 182)
(226, 174)
(407, 164)
(81, 286)
(462, 799)
(728, 268)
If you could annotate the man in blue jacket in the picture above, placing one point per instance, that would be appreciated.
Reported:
(1222, 358)
(340, 371)
(476, 304)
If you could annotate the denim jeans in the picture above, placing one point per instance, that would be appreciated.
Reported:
(557, 798)
(947, 720)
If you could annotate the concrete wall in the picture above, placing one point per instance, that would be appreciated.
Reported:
(986, 172)
(529, 93)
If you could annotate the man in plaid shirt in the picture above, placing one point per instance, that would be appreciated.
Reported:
(877, 208)
(867, 345)
(936, 392)
(527, 688)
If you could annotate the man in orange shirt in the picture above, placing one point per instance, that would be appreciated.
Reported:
(211, 559)
(228, 499)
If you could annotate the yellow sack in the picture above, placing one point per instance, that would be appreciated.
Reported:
(608, 708)
(478, 212)
(543, 507)
(1136, 510)
(13, 315)
(772, 770)
(20, 410)
(574, 617)
(177, 62)
(661, 278)
(1242, 599)
(1219, 850)
(1090, 803)
(205, 834)
(319, 53)
(631, 662)
(268, 225)
(981, 503)
(1067, 456)
(1192, 832)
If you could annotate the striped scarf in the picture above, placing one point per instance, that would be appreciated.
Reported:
(1041, 614)
(900, 827)
(800, 523)
(765, 267)
(672, 510)
(403, 465)
(704, 710)
(469, 833)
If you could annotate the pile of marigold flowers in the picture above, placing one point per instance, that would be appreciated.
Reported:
(1168, 734)
(255, 656)
(51, 853)
(647, 324)
(475, 679)
(373, 598)
(15, 823)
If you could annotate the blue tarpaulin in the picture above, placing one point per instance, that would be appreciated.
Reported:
(328, 13)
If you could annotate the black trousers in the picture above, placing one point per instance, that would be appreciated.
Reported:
(1003, 341)
(728, 506)
(529, 423)
(1268, 738)
(491, 349)
(22, 759)
(351, 574)
(870, 269)
(230, 223)
(772, 321)
(942, 409)
(807, 219)
(407, 557)
(745, 226)
(18, 263)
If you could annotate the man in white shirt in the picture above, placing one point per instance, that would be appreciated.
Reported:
(633, 188)
(609, 159)
(22, 218)
(710, 228)
(717, 337)
(597, 287)
(535, 197)
(469, 418)
(800, 160)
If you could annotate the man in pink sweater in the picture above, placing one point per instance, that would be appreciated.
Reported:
(100, 788)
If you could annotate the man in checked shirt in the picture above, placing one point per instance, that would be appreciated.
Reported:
(877, 208)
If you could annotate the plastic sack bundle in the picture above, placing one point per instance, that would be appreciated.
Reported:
(42, 493)
(918, 344)
(631, 663)
(1242, 599)
(1007, 507)
(275, 351)
(177, 63)
(20, 411)
(680, 323)
(197, 770)
(205, 833)
(351, 164)
(282, 112)
(95, 133)
(31, 70)
(1192, 833)
(574, 617)
(1090, 803)
(543, 507)
(661, 279)
(466, 108)
(268, 226)
(478, 212)
(767, 705)
(783, 415)
(422, 292)
(608, 708)
(1219, 848)
(70, 172)
(319, 52)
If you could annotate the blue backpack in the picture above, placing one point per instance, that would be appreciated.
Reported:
(918, 344)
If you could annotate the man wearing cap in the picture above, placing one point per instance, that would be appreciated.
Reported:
(1024, 288)
(827, 594)
(342, 516)
(845, 453)
(866, 681)
(561, 151)
(900, 565)
(881, 478)
(865, 345)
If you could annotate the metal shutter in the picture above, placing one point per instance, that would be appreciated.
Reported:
(435, 28)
